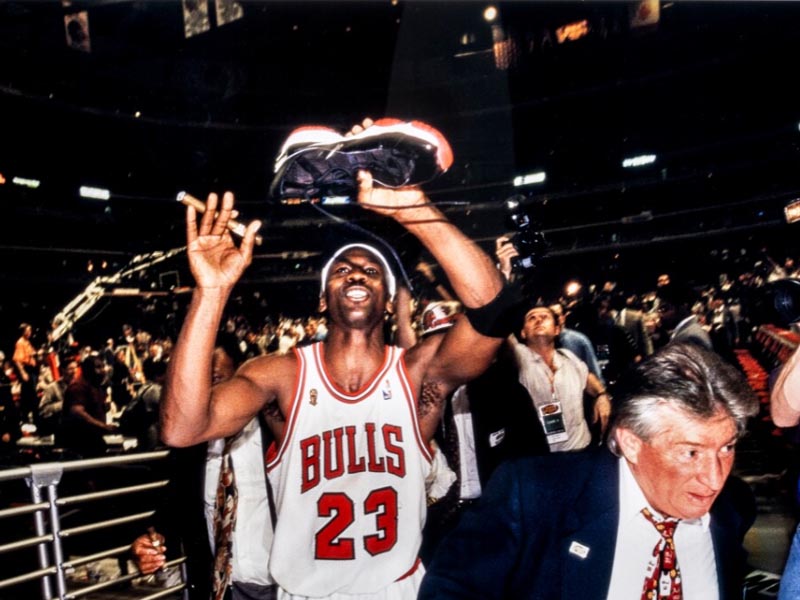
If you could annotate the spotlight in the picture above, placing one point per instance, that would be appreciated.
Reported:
(572, 289)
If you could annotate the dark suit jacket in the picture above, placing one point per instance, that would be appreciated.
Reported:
(516, 541)
(500, 404)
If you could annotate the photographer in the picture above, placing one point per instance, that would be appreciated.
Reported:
(570, 339)
(555, 378)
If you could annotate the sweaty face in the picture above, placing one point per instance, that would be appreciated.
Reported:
(355, 292)
(682, 469)
(539, 322)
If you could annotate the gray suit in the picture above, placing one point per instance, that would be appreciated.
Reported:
(632, 321)
(689, 330)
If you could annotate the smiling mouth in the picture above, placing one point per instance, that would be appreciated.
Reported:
(356, 294)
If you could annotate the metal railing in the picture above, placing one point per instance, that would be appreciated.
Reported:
(46, 509)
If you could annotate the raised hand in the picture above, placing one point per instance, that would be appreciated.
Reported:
(214, 259)
(358, 128)
(390, 202)
(504, 250)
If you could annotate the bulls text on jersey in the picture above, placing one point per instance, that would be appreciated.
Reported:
(335, 453)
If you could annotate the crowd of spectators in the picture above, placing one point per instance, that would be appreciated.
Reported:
(623, 326)
(90, 395)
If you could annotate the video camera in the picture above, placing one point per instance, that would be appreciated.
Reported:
(528, 239)
(779, 303)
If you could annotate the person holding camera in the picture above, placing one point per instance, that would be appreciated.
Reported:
(573, 340)
(555, 378)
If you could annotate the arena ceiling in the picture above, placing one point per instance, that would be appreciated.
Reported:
(113, 94)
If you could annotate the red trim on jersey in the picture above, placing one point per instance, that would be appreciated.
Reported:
(411, 571)
(343, 395)
(413, 404)
(271, 453)
(294, 408)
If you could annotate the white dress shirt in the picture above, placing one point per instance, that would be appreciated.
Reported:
(636, 538)
(252, 535)
(467, 458)
(564, 389)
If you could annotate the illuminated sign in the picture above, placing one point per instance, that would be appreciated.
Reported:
(792, 211)
(572, 31)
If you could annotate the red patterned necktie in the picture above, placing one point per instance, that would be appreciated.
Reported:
(663, 578)
(224, 522)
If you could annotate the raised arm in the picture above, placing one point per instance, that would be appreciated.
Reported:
(785, 396)
(190, 413)
(463, 352)
(405, 336)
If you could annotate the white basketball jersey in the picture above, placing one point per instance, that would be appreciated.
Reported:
(349, 482)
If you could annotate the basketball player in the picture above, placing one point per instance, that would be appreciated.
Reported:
(352, 417)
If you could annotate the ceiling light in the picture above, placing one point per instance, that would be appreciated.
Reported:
(639, 161)
(572, 289)
(490, 13)
(530, 178)
(24, 182)
(94, 193)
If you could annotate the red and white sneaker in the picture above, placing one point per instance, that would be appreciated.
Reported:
(318, 161)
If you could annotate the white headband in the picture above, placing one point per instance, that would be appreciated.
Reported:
(388, 275)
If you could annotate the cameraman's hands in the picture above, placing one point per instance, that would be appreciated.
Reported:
(504, 250)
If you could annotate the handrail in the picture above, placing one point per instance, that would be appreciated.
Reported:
(84, 591)
(87, 463)
(23, 510)
(68, 500)
(103, 524)
(42, 477)
(26, 543)
(165, 593)
(27, 577)
(71, 564)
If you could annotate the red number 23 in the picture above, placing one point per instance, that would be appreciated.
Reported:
(381, 502)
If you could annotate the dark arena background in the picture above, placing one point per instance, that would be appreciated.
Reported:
(640, 137)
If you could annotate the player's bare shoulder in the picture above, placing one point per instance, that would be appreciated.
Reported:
(273, 373)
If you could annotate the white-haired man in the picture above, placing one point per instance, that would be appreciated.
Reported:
(656, 518)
